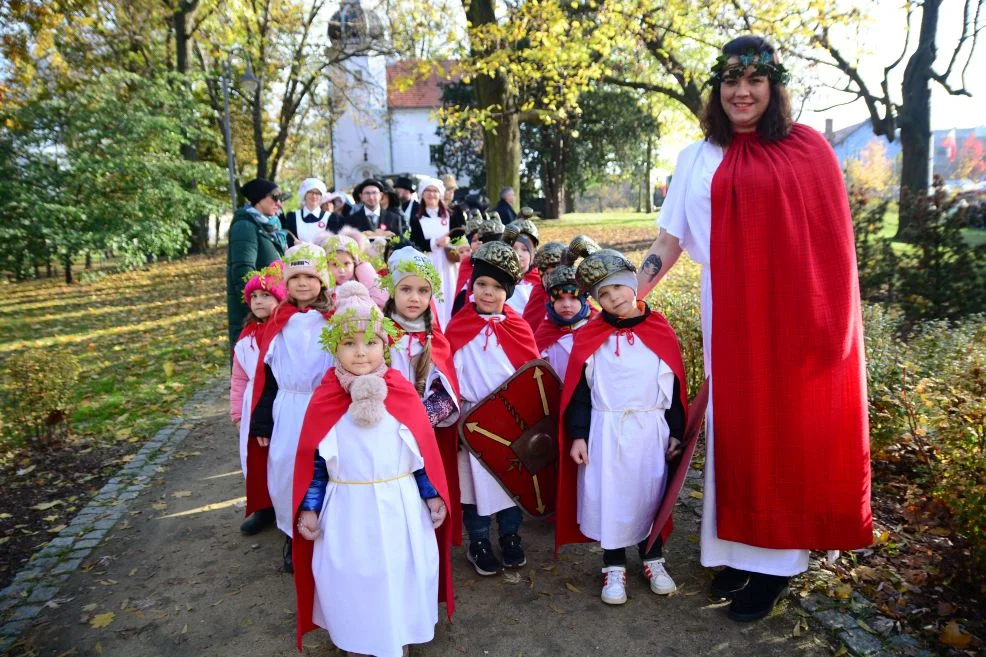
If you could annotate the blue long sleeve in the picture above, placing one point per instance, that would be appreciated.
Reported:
(425, 489)
(316, 491)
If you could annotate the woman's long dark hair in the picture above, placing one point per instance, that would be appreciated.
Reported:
(423, 365)
(776, 121)
(442, 209)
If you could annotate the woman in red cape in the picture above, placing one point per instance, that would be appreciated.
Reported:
(760, 203)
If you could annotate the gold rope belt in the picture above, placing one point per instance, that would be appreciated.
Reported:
(375, 481)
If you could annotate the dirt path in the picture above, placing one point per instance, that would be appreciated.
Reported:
(179, 579)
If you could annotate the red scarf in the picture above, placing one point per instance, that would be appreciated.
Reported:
(659, 337)
(789, 380)
(536, 308)
(253, 328)
(256, 482)
(514, 335)
(328, 405)
(548, 333)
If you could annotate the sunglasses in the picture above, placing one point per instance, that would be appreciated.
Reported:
(280, 198)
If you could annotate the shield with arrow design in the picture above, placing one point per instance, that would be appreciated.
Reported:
(513, 432)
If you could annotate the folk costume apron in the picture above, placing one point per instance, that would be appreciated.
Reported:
(433, 227)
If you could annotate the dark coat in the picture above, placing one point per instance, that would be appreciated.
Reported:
(388, 218)
(506, 212)
(252, 246)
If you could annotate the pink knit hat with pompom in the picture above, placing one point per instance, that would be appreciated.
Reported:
(355, 312)
(270, 279)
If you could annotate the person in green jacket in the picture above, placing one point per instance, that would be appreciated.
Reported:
(255, 241)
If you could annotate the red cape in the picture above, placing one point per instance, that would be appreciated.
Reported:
(256, 483)
(536, 308)
(549, 333)
(465, 271)
(515, 336)
(789, 380)
(328, 405)
(659, 337)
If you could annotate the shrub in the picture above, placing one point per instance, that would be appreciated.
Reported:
(682, 309)
(885, 375)
(37, 387)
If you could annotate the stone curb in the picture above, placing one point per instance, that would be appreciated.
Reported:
(37, 584)
(854, 622)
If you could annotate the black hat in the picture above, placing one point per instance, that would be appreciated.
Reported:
(403, 182)
(369, 182)
(257, 190)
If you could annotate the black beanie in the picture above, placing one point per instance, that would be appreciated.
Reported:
(257, 189)
(483, 268)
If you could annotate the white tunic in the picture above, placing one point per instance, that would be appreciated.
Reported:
(687, 215)
(246, 354)
(479, 371)
(298, 363)
(621, 488)
(558, 354)
(376, 563)
(448, 272)
(522, 294)
(402, 357)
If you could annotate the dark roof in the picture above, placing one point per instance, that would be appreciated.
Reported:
(840, 136)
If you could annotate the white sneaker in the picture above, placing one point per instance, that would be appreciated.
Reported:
(660, 582)
(614, 585)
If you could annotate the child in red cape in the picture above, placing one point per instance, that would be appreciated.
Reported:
(263, 292)
(371, 545)
(482, 229)
(548, 257)
(522, 235)
(615, 438)
(489, 343)
(289, 366)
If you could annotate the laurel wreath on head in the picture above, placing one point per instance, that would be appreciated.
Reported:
(347, 323)
(762, 62)
(418, 266)
(273, 270)
(334, 245)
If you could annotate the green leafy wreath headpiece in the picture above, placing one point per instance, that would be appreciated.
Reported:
(417, 266)
(762, 62)
(348, 322)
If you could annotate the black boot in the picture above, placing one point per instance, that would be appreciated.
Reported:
(728, 582)
(757, 599)
(512, 551)
(259, 521)
(286, 555)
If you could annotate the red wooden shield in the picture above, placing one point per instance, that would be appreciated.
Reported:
(678, 468)
(514, 433)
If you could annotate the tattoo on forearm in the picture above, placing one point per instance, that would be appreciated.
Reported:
(652, 266)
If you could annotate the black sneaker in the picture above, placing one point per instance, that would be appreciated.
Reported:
(758, 598)
(288, 562)
(258, 522)
(728, 582)
(480, 555)
(512, 551)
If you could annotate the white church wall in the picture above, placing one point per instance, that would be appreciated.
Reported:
(413, 132)
(361, 146)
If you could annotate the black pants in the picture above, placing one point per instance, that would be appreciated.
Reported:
(618, 557)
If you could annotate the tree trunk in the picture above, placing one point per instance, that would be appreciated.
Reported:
(189, 151)
(501, 145)
(569, 199)
(68, 267)
(914, 119)
(88, 260)
(552, 171)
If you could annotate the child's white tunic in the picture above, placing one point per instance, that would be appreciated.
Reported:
(558, 354)
(401, 359)
(621, 488)
(480, 372)
(298, 363)
(448, 272)
(522, 294)
(376, 563)
(687, 215)
(246, 352)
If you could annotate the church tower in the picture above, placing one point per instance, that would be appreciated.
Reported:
(361, 144)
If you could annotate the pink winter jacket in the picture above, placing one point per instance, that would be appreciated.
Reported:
(237, 384)
(368, 276)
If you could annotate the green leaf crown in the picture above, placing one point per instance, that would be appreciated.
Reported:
(418, 266)
(348, 322)
(762, 62)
